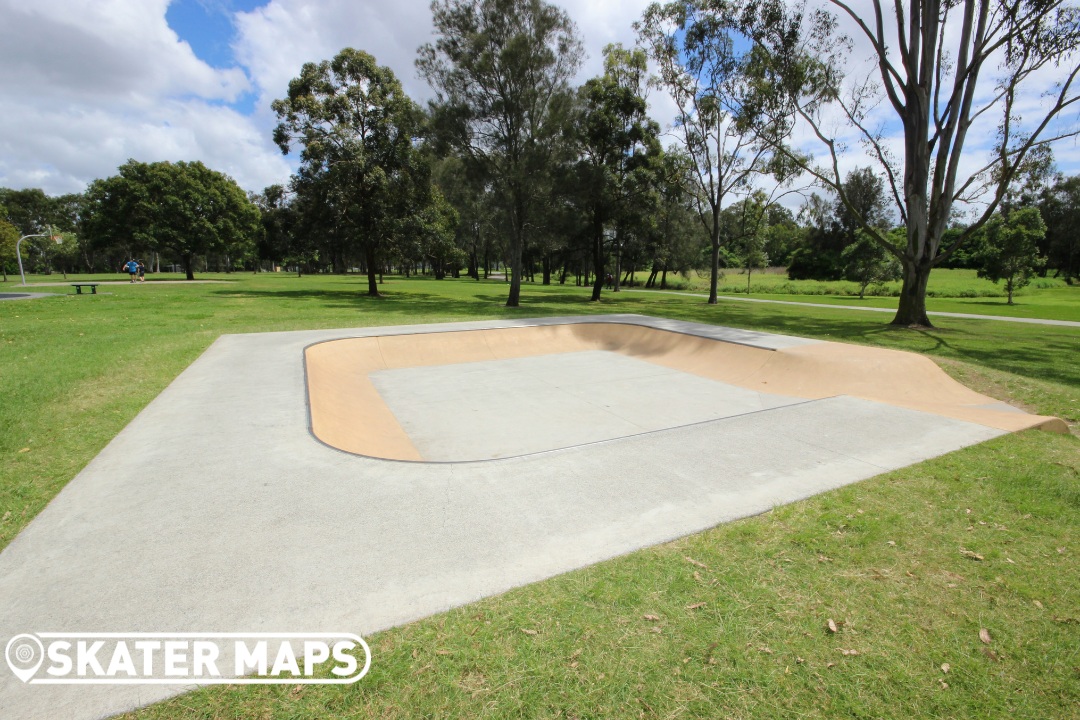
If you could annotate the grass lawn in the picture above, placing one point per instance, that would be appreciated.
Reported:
(949, 291)
(732, 622)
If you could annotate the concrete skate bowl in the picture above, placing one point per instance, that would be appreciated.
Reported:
(473, 395)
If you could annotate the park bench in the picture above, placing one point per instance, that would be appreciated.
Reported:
(79, 286)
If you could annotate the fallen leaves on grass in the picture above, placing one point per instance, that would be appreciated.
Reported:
(970, 554)
(25, 450)
(695, 563)
(651, 617)
(984, 635)
(991, 654)
(848, 652)
(695, 606)
(1038, 605)
(831, 624)
(528, 631)
(945, 667)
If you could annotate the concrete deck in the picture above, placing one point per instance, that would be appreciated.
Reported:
(216, 510)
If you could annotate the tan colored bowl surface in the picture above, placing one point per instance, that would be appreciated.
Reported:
(348, 413)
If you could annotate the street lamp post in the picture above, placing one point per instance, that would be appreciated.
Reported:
(18, 254)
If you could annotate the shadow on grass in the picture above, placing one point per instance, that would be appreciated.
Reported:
(1043, 353)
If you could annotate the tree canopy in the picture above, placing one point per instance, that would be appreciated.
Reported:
(358, 130)
(500, 70)
(185, 208)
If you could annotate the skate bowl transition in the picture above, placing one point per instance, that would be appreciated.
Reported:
(454, 396)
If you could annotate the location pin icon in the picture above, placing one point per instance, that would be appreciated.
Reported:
(24, 654)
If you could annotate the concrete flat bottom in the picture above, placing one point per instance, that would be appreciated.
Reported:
(216, 510)
(503, 408)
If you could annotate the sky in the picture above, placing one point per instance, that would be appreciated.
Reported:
(85, 86)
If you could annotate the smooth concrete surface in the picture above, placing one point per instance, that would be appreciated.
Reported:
(349, 410)
(215, 509)
(23, 296)
(472, 411)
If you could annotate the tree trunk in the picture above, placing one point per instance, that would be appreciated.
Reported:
(663, 280)
(715, 264)
(598, 260)
(547, 268)
(372, 278)
(618, 260)
(1009, 289)
(189, 266)
(912, 309)
(714, 237)
(517, 242)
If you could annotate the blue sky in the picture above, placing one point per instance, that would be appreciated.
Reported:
(208, 27)
(85, 86)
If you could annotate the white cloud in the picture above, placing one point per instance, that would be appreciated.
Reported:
(87, 85)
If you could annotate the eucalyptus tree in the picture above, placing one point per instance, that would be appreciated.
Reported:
(500, 70)
(619, 151)
(359, 162)
(703, 69)
(674, 241)
(943, 76)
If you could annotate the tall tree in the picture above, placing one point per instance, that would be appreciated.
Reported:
(620, 149)
(357, 128)
(183, 208)
(934, 72)
(703, 69)
(500, 70)
(1059, 206)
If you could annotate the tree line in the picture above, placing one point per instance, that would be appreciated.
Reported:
(511, 166)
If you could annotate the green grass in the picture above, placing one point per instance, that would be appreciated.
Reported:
(949, 291)
(76, 369)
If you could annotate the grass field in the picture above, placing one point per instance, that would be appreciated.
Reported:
(630, 637)
(949, 291)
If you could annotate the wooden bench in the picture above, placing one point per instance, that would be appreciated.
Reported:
(79, 286)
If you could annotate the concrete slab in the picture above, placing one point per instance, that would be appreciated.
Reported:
(23, 296)
(471, 411)
(216, 510)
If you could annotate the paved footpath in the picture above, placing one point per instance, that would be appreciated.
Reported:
(965, 316)
(126, 282)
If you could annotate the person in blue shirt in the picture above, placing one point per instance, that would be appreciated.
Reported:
(131, 268)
